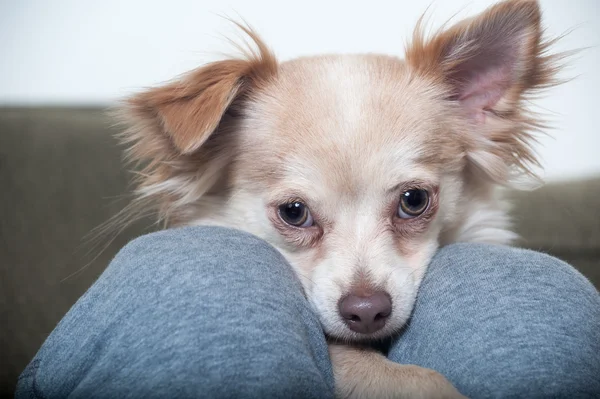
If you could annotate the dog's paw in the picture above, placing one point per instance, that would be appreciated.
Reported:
(408, 381)
(395, 381)
(361, 373)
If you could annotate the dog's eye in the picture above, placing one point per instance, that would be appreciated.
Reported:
(413, 203)
(296, 214)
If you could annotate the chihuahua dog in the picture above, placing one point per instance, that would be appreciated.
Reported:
(357, 168)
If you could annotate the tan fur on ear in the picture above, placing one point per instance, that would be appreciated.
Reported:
(443, 55)
(190, 109)
(488, 65)
(181, 135)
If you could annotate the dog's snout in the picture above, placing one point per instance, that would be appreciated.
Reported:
(366, 314)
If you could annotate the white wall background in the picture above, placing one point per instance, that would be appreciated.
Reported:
(93, 52)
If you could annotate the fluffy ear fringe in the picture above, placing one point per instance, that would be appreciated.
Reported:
(146, 140)
(503, 149)
(172, 174)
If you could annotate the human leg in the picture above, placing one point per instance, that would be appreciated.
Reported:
(505, 322)
(191, 312)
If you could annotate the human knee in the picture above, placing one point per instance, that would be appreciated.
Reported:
(519, 265)
(207, 238)
(206, 246)
(531, 321)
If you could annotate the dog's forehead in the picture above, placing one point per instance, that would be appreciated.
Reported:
(344, 97)
(349, 121)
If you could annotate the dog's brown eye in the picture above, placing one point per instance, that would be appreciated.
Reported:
(296, 214)
(413, 203)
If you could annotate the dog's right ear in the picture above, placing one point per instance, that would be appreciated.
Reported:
(180, 133)
(190, 109)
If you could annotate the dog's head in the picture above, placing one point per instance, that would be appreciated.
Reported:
(356, 167)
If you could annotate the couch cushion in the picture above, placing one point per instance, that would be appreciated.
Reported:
(61, 176)
(562, 219)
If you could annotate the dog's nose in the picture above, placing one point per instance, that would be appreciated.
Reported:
(366, 314)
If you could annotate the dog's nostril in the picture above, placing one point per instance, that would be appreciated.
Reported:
(366, 314)
(379, 316)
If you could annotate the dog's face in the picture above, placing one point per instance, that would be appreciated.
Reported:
(350, 168)
(355, 167)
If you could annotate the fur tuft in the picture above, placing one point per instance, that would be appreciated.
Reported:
(170, 130)
(503, 49)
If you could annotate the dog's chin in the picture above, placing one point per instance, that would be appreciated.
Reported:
(342, 333)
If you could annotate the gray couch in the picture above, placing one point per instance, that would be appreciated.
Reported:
(61, 175)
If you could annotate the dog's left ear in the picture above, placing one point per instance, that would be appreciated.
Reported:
(488, 64)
